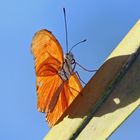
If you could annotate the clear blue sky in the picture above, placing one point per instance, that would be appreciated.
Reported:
(102, 23)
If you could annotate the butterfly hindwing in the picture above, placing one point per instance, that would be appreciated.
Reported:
(71, 89)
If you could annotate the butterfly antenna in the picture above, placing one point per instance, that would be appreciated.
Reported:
(85, 68)
(66, 30)
(77, 44)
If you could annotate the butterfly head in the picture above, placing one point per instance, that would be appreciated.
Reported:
(69, 56)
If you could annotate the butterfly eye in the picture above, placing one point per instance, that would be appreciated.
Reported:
(73, 61)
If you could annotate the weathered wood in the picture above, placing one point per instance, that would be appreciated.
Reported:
(104, 116)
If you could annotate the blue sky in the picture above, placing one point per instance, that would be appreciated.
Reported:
(102, 23)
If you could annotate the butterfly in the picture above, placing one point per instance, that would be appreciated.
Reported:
(57, 84)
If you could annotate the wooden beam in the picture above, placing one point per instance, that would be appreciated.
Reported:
(120, 104)
(108, 99)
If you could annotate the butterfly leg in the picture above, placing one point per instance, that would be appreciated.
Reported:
(85, 68)
(74, 65)
(80, 78)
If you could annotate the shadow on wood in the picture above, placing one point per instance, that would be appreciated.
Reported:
(93, 92)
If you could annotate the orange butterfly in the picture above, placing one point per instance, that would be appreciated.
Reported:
(57, 84)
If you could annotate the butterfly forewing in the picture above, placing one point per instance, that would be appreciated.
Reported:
(44, 43)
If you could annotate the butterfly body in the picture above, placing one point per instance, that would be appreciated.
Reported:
(67, 67)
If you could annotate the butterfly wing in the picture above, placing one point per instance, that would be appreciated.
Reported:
(71, 88)
(48, 57)
(47, 53)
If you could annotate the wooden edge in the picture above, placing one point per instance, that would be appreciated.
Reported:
(80, 109)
